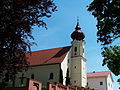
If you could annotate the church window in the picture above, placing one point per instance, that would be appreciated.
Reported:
(101, 83)
(32, 76)
(75, 49)
(51, 76)
(75, 66)
(74, 81)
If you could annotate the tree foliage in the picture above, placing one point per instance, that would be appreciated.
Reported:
(108, 24)
(112, 58)
(16, 20)
(108, 19)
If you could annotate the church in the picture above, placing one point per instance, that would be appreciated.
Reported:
(66, 65)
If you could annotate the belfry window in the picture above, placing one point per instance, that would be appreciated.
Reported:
(51, 76)
(75, 49)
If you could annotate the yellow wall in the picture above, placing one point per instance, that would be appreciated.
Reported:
(41, 73)
(78, 64)
(83, 71)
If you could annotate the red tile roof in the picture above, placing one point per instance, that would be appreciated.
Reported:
(98, 74)
(49, 56)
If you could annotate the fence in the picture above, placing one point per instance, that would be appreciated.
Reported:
(35, 85)
(30, 85)
(57, 86)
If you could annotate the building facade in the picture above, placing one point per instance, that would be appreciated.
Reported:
(100, 80)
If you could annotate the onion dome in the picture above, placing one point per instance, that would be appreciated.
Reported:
(77, 34)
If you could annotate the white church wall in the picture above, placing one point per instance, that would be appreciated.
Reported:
(84, 75)
(64, 67)
(69, 62)
(75, 72)
(42, 73)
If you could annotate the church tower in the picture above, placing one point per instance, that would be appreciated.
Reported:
(78, 62)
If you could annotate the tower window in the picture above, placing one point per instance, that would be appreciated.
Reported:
(32, 76)
(75, 66)
(75, 49)
(101, 83)
(74, 81)
(51, 76)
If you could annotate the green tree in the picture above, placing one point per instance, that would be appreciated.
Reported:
(108, 19)
(112, 58)
(16, 20)
(108, 24)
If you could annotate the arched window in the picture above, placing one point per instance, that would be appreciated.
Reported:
(32, 76)
(22, 78)
(75, 49)
(75, 66)
(51, 76)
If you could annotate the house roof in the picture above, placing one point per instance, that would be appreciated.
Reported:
(98, 74)
(49, 56)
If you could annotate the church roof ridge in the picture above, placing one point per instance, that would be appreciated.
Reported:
(98, 74)
(48, 56)
(48, 49)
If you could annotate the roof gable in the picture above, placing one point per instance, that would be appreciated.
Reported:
(98, 74)
(49, 56)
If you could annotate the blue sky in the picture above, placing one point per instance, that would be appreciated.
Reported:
(62, 24)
